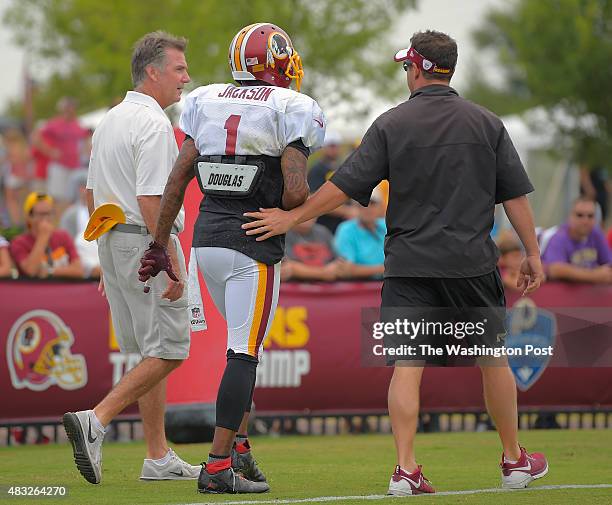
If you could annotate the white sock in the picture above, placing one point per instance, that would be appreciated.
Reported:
(96, 422)
(164, 460)
(506, 460)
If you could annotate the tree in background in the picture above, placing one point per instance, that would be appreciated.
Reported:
(556, 54)
(88, 43)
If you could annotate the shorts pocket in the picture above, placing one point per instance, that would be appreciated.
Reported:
(127, 252)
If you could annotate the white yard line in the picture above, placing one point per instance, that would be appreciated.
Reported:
(382, 496)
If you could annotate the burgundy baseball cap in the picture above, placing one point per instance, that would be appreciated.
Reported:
(420, 61)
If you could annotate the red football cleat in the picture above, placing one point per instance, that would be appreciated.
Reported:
(528, 468)
(404, 484)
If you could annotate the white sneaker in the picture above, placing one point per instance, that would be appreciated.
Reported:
(86, 442)
(174, 469)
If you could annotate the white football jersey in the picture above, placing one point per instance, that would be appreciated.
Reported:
(224, 119)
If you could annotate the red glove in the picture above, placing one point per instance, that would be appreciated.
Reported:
(155, 260)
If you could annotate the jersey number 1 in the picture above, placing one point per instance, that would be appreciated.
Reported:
(231, 125)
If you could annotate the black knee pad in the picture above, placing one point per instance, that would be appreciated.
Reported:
(236, 390)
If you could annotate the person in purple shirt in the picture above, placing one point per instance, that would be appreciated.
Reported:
(578, 251)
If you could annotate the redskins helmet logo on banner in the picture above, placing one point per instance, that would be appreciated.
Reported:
(38, 352)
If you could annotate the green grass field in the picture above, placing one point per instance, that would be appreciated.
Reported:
(319, 466)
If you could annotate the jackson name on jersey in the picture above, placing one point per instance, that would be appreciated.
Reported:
(224, 119)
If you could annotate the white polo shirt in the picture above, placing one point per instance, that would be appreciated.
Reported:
(133, 151)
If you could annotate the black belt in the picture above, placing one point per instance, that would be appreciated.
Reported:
(137, 229)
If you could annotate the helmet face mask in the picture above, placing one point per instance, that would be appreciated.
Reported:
(264, 52)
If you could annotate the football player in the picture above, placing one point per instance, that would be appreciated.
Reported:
(247, 144)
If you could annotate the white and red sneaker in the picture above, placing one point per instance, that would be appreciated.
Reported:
(405, 484)
(528, 468)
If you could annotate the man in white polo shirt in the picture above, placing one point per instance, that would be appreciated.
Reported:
(134, 149)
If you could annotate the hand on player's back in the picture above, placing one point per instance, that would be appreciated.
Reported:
(269, 222)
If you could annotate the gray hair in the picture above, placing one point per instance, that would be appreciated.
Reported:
(151, 50)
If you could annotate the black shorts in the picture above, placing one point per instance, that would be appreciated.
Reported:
(477, 303)
(482, 291)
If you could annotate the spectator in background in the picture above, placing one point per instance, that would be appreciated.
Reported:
(40, 159)
(63, 146)
(43, 251)
(5, 220)
(18, 173)
(510, 259)
(595, 186)
(85, 150)
(320, 173)
(309, 253)
(74, 221)
(578, 250)
(360, 242)
(5, 258)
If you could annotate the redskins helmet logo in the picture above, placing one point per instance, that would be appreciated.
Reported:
(264, 52)
(279, 46)
(38, 353)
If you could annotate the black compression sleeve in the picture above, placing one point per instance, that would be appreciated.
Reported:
(235, 391)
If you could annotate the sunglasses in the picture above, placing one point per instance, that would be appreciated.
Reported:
(406, 64)
(581, 215)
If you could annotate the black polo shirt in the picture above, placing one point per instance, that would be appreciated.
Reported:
(448, 162)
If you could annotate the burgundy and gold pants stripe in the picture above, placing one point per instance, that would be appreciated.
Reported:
(245, 292)
(263, 306)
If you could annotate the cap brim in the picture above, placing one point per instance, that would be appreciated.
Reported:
(108, 210)
(103, 219)
(98, 230)
(401, 55)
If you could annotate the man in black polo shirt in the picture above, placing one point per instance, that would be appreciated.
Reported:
(448, 162)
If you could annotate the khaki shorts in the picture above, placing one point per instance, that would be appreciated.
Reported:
(143, 322)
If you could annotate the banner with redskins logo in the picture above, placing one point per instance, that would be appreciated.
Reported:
(39, 354)
(59, 353)
(55, 342)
